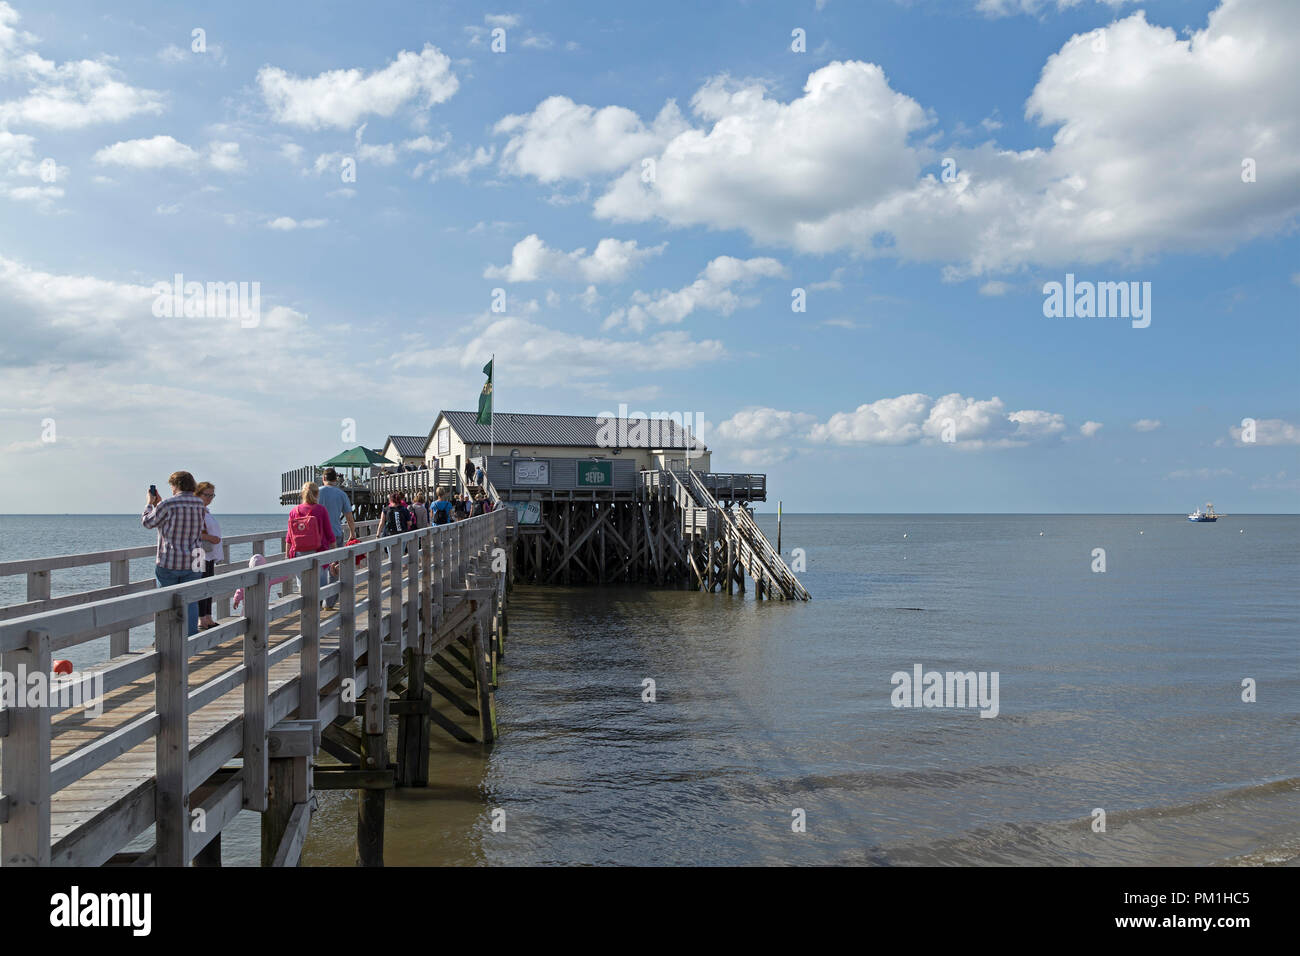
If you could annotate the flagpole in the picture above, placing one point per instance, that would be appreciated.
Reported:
(492, 411)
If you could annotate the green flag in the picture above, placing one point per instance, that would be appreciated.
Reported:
(485, 399)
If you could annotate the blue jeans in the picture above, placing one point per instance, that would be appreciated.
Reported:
(167, 577)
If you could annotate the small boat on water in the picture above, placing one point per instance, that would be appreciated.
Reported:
(1207, 515)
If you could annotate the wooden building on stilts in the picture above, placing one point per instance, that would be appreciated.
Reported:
(612, 499)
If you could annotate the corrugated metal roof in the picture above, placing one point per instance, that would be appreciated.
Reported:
(408, 445)
(579, 431)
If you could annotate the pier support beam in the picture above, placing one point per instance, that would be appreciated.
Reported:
(210, 855)
(370, 804)
(413, 726)
(279, 806)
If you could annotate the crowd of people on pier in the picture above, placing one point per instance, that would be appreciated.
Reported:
(189, 535)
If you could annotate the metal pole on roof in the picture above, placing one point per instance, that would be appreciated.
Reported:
(492, 412)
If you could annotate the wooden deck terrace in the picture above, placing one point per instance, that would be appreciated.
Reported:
(271, 687)
(369, 495)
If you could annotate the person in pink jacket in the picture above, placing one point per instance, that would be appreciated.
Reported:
(310, 528)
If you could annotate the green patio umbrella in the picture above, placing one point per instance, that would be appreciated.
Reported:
(359, 457)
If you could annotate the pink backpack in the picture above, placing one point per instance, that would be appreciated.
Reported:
(304, 531)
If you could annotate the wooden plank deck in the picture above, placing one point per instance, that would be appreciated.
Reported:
(109, 789)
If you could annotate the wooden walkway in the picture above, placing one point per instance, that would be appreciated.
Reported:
(78, 787)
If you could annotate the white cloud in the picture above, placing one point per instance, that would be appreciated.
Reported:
(917, 419)
(341, 98)
(1037, 425)
(846, 165)
(225, 157)
(1146, 424)
(288, 224)
(1088, 429)
(160, 152)
(1007, 8)
(761, 425)
(1200, 474)
(156, 152)
(68, 95)
(589, 299)
(426, 144)
(995, 288)
(712, 290)
(561, 139)
(611, 261)
(1269, 431)
(460, 168)
(546, 357)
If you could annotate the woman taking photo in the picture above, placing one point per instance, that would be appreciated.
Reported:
(212, 549)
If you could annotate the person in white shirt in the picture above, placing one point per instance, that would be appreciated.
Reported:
(212, 549)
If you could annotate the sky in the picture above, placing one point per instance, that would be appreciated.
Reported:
(826, 230)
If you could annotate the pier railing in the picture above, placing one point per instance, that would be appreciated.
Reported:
(40, 583)
(426, 480)
(422, 567)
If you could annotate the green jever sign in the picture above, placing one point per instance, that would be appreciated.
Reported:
(595, 474)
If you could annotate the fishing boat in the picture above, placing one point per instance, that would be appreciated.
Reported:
(1207, 515)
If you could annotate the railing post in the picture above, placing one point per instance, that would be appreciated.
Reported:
(412, 548)
(375, 673)
(347, 636)
(222, 603)
(119, 573)
(288, 586)
(309, 657)
(172, 745)
(374, 743)
(25, 835)
(256, 687)
(38, 585)
(426, 591)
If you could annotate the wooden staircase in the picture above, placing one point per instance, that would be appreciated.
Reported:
(731, 532)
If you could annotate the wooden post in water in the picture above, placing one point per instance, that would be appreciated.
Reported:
(731, 566)
(486, 706)
(778, 527)
(279, 806)
(210, 855)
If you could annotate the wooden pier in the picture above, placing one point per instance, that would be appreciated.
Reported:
(256, 713)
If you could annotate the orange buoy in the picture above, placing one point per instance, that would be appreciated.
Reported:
(63, 667)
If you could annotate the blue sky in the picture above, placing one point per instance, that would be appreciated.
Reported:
(1101, 139)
